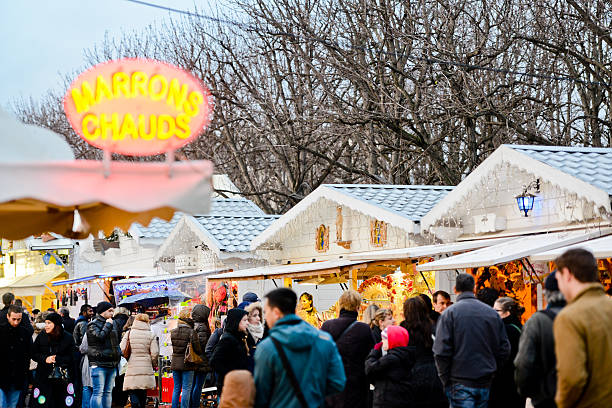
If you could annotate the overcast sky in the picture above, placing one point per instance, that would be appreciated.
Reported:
(41, 40)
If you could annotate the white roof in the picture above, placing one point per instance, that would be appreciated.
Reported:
(427, 250)
(509, 251)
(600, 247)
(269, 272)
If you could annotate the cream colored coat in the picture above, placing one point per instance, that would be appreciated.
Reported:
(145, 350)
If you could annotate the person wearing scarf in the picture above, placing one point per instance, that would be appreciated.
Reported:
(255, 330)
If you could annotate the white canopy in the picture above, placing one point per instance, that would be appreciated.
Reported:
(278, 271)
(426, 250)
(600, 247)
(509, 251)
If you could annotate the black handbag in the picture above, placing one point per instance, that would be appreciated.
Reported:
(59, 373)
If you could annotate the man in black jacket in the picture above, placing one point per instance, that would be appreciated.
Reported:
(15, 344)
(471, 344)
(535, 371)
(354, 341)
(104, 355)
(8, 299)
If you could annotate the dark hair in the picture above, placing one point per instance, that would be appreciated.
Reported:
(487, 295)
(18, 302)
(464, 283)
(8, 298)
(282, 298)
(442, 293)
(14, 309)
(417, 321)
(52, 310)
(64, 312)
(308, 296)
(35, 311)
(427, 300)
(580, 263)
(84, 309)
(511, 306)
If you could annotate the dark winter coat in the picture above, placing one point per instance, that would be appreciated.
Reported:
(80, 330)
(231, 352)
(212, 342)
(376, 334)
(200, 316)
(466, 332)
(68, 323)
(180, 337)
(25, 322)
(503, 388)
(62, 347)
(354, 347)
(15, 349)
(535, 370)
(103, 343)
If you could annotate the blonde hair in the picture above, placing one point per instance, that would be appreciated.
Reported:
(369, 314)
(381, 314)
(185, 314)
(142, 317)
(255, 306)
(121, 310)
(350, 301)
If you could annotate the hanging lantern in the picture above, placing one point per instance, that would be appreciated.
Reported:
(525, 202)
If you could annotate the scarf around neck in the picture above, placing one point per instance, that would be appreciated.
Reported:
(256, 331)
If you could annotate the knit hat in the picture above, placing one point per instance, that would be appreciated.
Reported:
(103, 307)
(55, 319)
(234, 316)
(397, 336)
(550, 284)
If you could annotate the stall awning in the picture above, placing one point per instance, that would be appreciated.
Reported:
(31, 285)
(426, 250)
(509, 251)
(167, 276)
(289, 270)
(600, 247)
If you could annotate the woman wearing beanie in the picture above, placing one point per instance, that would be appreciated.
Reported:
(232, 352)
(139, 376)
(53, 350)
(182, 372)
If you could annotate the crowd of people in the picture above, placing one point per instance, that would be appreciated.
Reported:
(473, 353)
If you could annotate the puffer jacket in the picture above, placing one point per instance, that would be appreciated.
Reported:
(180, 337)
(103, 343)
(313, 357)
(145, 350)
(200, 316)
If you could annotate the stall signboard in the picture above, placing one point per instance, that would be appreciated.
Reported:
(138, 107)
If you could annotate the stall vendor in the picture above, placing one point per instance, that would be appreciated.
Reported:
(307, 311)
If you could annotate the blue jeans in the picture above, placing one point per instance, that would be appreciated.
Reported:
(461, 396)
(87, 391)
(196, 394)
(103, 381)
(183, 383)
(9, 398)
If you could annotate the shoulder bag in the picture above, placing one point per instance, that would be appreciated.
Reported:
(127, 351)
(292, 378)
(191, 354)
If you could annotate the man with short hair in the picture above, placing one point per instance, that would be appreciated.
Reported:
(80, 325)
(67, 321)
(441, 301)
(296, 365)
(470, 346)
(15, 344)
(583, 334)
(104, 354)
(535, 370)
(8, 299)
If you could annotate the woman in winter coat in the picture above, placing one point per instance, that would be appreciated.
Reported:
(139, 376)
(53, 348)
(182, 372)
(200, 314)
(231, 353)
(388, 366)
(255, 330)
(354, 341)
(423, 384)
(504, 391)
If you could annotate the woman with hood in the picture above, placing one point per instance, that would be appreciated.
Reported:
(200, 314)
(504, 391)
(182, 372)
(232, 352)
(53, 349)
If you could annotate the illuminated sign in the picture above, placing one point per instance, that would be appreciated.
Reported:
(137, 107)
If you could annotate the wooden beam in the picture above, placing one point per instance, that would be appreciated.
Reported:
(287, 282)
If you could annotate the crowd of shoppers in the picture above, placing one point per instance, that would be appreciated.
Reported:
(473, 353)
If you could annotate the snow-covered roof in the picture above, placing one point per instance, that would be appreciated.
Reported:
(399, 205)
(234, 233)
